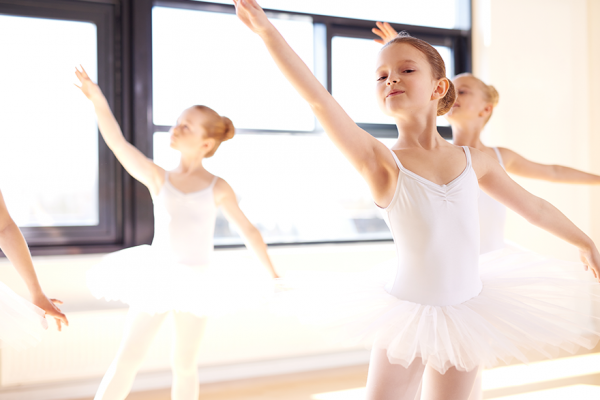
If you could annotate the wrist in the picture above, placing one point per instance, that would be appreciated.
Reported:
(267, 32)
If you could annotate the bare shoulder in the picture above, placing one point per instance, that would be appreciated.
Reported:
(508, 155)
(222, 190)
(481, 162)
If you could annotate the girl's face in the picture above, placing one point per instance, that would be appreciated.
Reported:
(189, 133)
(404, 81)
(470, 101)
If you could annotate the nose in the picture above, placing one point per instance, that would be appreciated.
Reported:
(391, 81)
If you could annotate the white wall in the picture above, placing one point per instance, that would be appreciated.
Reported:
(542, 55)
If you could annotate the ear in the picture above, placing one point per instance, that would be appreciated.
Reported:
(208, 145)
(487, 110)
(440, 89)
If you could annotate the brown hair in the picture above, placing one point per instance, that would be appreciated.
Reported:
(490, 94)
(438, 68)
(219, 128)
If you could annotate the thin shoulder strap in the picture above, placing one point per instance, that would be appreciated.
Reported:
(499, 156)
(468, 155)
(213, 183)
(398, 163)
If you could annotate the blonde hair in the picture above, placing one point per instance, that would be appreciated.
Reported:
(490, 94)
(438, 68)
(218, 128)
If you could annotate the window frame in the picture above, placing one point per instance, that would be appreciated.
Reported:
(110, 233)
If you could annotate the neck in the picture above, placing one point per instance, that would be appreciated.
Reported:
(417, 131)
(466, 134)
(190, 163)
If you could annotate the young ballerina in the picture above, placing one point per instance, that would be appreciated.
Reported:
(444, 314)
(473, 108)
(174, 274)
(475, 102)
(22, 322)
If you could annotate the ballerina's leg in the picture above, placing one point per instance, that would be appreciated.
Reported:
(387, 381)
(139, 333)
(452, 385)
(476, 392)
(188, 331)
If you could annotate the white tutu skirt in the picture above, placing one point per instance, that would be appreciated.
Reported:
(148, 280)
(21, 322)
(529, 306)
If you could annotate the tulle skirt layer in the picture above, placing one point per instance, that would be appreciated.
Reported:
(148, 280)
(529, 306)
(21, 323)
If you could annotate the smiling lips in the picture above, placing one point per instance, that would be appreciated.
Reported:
(394, 93)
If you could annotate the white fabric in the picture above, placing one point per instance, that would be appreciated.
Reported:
(492, 218)
(139, 333)
(447, 305)
(21, 322)
(174, 272)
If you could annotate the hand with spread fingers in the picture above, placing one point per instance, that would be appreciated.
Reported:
(88, 87)
(252, 15)
(385, 32)
(49, 306)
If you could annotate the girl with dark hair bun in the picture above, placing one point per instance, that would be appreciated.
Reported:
(446, 312)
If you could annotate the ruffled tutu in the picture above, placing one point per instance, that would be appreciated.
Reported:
(148, 280)
(21, 322)
(529, 306)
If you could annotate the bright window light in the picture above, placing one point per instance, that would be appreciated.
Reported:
(212, 59)
(353, 78)
(437, 13)
(575, 392)
(49, 138)
(302, 190)
(543, 371)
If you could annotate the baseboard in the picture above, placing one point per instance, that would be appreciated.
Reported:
(162, 379)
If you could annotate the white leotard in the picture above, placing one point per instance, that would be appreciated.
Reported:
(436, 233)
(492, 218)
(184, 223)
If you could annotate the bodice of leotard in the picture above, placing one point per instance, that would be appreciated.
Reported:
(492, 218)
(184, 223)
(436, 234)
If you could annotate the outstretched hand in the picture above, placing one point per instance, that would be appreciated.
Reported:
(88, 87)
(591, 261)
(252, 15)
(48, 305)
(385, 32)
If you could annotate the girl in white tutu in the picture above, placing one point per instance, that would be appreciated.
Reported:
(22, 322)
(174, 274)
(473, 108)
(446, 312)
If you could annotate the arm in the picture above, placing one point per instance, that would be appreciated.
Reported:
(495, 182)
(134, 161)
(226, 199)
(519, 165)
(15, 248)
(368, 155)
(385, 32)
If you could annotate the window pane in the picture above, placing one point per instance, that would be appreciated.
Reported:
(353, 60)
(303, 190)
(49, 137)
(437, 13)
(233, 74)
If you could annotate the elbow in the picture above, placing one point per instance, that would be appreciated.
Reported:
(537, 212)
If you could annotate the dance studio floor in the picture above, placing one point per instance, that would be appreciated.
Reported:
(566, 378)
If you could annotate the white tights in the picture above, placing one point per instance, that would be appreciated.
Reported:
(139, 333)
(387, 381)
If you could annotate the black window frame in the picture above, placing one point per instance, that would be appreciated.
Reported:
(125, 76)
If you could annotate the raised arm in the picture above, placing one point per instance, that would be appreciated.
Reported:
(15, 248)
(368, 155)
(519, 165)
(495, 182)
(134, 161)
(384, 31)
(226, 199)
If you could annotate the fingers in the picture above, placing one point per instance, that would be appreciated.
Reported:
(56, 301)
(58, 325)
(83, 72)
(389, 30)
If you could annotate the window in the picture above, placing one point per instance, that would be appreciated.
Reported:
(302, 190)
(50, 156)
(451, 14)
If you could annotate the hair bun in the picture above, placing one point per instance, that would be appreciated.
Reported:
(446, 102)
(229, 129)
(494, 95)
